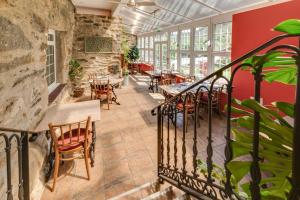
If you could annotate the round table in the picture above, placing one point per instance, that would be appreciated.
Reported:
(114, 81)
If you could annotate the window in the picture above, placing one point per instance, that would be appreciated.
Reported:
(164, 37)
(173, 50)
(142, 55)
(173, 60)
(157, 38)
(221, 61)
(151, 42)
(151, 56)
(185, 39)
(157, 55)
(164, 52)
(146, 56)
(222, 46)
(201, 65)
(143, 43)
(185, 63)
(222, 37)
(146, 42)
(201, 39)
(51, 61)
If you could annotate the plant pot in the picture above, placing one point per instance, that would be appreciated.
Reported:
(78, 92)
(126, 80)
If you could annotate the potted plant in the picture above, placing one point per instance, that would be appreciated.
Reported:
(133, 55)
(75, 75)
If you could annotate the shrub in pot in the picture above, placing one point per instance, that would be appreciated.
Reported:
(75, 76)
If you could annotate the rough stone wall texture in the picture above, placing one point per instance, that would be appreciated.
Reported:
(95, 25)
(23, 40)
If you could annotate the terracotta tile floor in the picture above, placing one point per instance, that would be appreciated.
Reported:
(126, 149)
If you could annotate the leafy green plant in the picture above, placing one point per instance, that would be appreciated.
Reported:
(133, 54)
(276, 134)
(75, 72)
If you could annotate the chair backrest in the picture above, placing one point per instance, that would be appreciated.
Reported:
(167, 81)
(65, 135)
(92, 76)
(101, 85)
(190, 79)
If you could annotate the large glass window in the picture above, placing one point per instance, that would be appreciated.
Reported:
(185, 63)
(185, 39)
(146, 42)
(222, 37)
(201, 39)
(50, 72)
(164, 37)
(222, 61)
(151, 42)
(164, 60)
(157, 55)
(151, 56)
(201, 66)
(173, 60)
(173, 40)
(146, 55)
(143, 43)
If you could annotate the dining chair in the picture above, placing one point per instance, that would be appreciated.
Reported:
(215, 99)
(190, 79)
(187, 109)
(103, 88)
(92, 77)
(167, 81)
(70, 141)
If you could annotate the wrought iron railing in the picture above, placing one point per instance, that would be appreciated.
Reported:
(179, 168)
(16, 141)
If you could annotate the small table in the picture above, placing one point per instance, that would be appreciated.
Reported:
(114, 81)
(175, 89)
(155, 76)
(69, 113)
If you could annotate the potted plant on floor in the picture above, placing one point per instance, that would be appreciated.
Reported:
(75, 76)
(133, 56)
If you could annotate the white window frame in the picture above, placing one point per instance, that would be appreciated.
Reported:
(53, 85)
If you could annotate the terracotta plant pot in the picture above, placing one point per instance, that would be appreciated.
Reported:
(78, 92)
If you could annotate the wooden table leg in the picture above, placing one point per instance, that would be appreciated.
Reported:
(92, 148)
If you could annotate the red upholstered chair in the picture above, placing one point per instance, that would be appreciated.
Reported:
(73, 140)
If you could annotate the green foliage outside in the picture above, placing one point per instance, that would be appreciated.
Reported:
(133, 54)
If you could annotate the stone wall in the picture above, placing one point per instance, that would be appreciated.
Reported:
(95, 25)
(24, 25)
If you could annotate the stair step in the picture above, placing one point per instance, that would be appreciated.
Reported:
(163, 194)
(136, 193)
(183, 197)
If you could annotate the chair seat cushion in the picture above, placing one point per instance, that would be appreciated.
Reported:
(188, 106)
(74, 142)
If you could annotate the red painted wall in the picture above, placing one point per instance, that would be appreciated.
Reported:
(251, 29)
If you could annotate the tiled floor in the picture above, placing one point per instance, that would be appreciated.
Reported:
(126, 148)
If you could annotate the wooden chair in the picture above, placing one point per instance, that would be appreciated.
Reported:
(69, 139)
(215, 100)
(92, 77)
(103, 88)
(190, 79)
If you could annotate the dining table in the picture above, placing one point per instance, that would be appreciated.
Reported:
(114, 81)
(175, 89)
(156, 76)
(69, 113)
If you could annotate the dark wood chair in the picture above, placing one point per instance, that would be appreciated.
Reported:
(103, 88)
(215, 99)
(71, 139)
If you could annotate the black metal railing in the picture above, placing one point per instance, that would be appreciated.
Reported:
(179, 148)
(16, 141)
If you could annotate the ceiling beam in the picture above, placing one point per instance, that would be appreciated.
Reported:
(208, 6)
(175, 13)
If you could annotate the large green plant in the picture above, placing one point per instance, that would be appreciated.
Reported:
(133, 54)
(75, 72)
(276, 134)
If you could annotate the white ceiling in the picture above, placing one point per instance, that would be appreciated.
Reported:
(168, 12)
(102, 4)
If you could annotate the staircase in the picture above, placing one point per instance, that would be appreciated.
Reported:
(153, 191)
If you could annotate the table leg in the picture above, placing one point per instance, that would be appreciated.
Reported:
(92, 148)
(50, 161)
(151, 86)
(114, 99)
